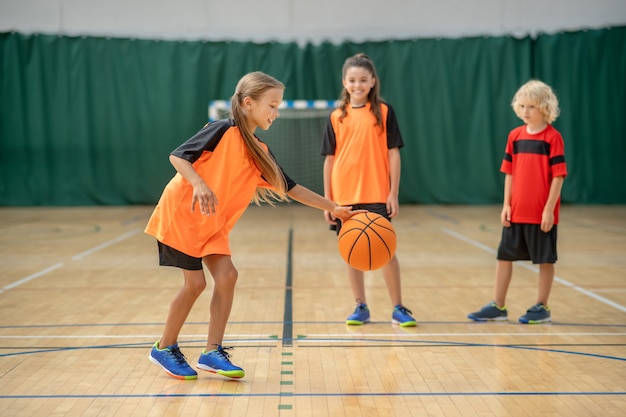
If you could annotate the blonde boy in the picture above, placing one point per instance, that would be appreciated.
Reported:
(534, 168)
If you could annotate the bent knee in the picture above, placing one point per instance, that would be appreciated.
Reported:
(195, 281)
(197, 286)
(226, 278)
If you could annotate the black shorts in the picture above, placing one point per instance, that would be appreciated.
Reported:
(169, 256)
(526, 242)
(378, 208)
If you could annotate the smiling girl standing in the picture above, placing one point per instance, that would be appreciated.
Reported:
(361, 145)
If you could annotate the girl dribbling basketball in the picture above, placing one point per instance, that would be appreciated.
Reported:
(219, 171)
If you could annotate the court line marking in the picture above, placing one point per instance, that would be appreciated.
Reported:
(32, 277)
(285, 402)
(138, 336)
(288, 306)
(253, 323)
(106, 244)
(535, 269)
(273, 338)
(360, 336)
(303, 343)
(325, 394)
(520, 346)
(75, 258)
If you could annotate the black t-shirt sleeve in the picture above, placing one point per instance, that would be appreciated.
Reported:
(329, 141)
(394, 137)
(206, 139)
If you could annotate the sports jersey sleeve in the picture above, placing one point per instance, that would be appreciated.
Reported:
(329, 141)
(394, 138)
(507, 161)
(206, 139)
(557, 156)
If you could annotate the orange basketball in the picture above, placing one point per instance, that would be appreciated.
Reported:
(367, 241)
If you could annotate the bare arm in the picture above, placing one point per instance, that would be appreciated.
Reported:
(547, 217)
(329, 161)
(202, 194)
(393, 207)
(311, 199)
(505, 215)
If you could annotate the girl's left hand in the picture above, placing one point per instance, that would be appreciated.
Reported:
(344, 213)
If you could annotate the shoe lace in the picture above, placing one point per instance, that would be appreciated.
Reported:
(404, 310)
(222, 351)
(360, 307)
(177, 355)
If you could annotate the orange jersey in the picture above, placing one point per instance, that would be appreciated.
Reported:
(360, 173)
(219, 155)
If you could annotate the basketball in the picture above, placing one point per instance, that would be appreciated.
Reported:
(367, 241)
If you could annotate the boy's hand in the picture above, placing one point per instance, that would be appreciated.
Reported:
(547, 221)
(505, 216)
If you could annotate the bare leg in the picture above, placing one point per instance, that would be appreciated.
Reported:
(546, 278)
(357, 282)
(504, 273)
(391, 273)
(180, 307)
(225, 277)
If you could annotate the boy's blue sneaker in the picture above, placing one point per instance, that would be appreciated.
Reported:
(218, 362)
(360, 316)
(490, 312)
(402, 316)
(173, 362)
(537, 314)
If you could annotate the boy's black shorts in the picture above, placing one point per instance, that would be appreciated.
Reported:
(526, 242)
(169, 256)
(378, 208)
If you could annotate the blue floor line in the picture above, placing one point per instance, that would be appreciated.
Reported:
(338, 394)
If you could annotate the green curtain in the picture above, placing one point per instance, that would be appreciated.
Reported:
(452, 102)
(588, 72)
(88, 120)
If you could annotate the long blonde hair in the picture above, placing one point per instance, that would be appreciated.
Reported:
(254, 85)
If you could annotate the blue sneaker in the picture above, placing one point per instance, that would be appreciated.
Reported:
(360, 316)
(173, 362)
(537, 314)
(490, 312)
(402, 316)
(218, 362)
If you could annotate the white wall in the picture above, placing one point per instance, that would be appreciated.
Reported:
(306, 20)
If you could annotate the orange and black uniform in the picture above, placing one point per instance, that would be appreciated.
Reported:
(360, 172)
(533, 160)
(219, 155)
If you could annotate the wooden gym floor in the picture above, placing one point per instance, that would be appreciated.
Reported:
(82, 300)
